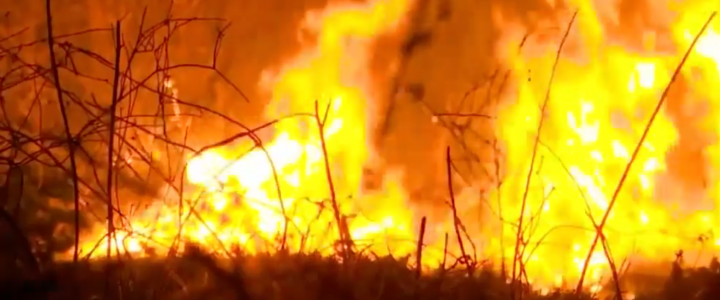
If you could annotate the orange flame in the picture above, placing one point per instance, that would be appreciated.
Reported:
(603, 92)
(240, 202)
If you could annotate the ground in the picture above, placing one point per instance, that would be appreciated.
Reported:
(197, 275)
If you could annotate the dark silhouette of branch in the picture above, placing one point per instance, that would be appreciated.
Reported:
(456, 219)
(519, 240)
(633, 157)
(66, 124)
(343, 230)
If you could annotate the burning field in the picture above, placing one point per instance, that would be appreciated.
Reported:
(601, 158)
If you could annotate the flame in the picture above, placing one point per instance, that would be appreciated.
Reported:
(605, 87)
(278, 193)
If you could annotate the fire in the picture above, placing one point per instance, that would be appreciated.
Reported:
(605, 87)
(278, 193)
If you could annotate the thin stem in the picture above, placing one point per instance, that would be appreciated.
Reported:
(66, 125)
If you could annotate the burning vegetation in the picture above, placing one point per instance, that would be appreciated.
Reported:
(603, 157)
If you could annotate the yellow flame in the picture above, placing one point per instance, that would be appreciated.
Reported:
(602, 96)
(606, 86)
(236, 200)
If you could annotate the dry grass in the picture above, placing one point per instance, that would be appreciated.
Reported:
(197, 275)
